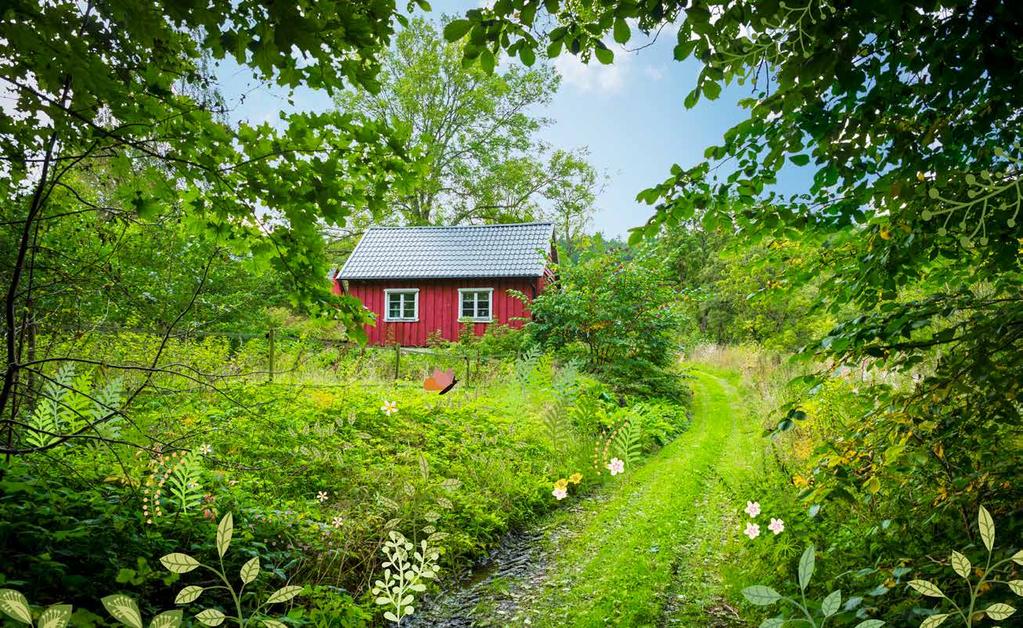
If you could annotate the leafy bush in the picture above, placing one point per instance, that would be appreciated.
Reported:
(619, 316)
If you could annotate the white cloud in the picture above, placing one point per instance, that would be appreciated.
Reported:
(653, 73)
(595, 76)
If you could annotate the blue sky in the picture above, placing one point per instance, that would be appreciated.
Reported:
(629, 115)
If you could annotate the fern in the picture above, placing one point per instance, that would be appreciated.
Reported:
(106, 402)
(47, 417)
(628, 441)
(555, 419)
(184, 483)
(525, 365)
(77, 407)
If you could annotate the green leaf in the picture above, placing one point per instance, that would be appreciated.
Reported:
(250, 570)
(926, 588)
(487, 61)
(987, 528)
(273, 623)
(224, 532)
(15, 605)
(528, 55)
(1018, 557)
(831, 603)
(961, 565)
(711, 89)
(123, 609)
(167, 619)
(179, 563)
(1016, 586)
(806, 563)
(283, 594)
(934, 620)
(56, 616)
(456, 29)
(999, 611)
(761, 595)
(188, 595)
(870, 623)
(604, 55)
(800, 160)
(210, 617)
(773, 622)
(622, 32)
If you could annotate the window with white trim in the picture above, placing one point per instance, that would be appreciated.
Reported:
(476, 304)
(401, 305)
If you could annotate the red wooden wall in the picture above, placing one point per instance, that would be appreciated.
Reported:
(439, 307)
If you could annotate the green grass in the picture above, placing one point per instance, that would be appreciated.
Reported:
(650, 553)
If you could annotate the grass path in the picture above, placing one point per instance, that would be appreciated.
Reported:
(649, 552)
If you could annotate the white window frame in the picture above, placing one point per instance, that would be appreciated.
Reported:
(387, 305)
(474, 319)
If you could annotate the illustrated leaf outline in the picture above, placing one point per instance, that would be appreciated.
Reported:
(1016, 586)
(273, 623)
(806, 564)
(123, 609)
(16, 605)
(987, 528)
(926, 588)
(961, 565)
(773, 622)
(870, 623)
(283, 594)
(56, 616)
(831, 603)
(761, 595)
(999, 611)
(167, 619)
(210, 617)
(224, 531)
(250, 570)
(188, 594)
(934, 620)
(179, 563)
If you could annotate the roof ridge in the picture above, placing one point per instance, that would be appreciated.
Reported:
(491, 226)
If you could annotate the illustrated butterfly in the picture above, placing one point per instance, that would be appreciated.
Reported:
(442, 381)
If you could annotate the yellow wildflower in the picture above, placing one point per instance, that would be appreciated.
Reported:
(575, 478)
(561, 484)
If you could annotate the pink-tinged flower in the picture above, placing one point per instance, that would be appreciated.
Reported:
(777, 526)
(389, 407)
(322, 496)
(560, 493)
(752, 530)
(616, 466)
(752, 508)
(337, 522)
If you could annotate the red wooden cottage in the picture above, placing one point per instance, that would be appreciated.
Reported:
(423, 281)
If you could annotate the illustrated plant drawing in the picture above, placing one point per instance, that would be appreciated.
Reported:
(528, 313)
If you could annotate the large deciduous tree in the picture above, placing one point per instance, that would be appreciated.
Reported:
(476, 131)
(111, 125)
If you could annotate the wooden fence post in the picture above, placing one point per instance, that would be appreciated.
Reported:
(397, 360)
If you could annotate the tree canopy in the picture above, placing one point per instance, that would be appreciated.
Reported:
(476, 133)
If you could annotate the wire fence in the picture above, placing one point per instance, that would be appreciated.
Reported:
(274, 355)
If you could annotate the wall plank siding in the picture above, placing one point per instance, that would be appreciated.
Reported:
(439, 307)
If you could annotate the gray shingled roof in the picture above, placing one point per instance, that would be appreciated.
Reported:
(513, 250)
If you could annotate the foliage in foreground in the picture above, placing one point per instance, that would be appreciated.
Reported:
(967, 610)
(317, 474)
(125, 610)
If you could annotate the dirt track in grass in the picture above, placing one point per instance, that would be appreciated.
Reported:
(647, 551)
